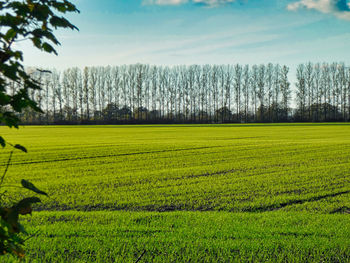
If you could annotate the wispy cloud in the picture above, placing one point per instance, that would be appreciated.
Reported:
(213, 2)
(210, 3)
(164, 2)
(339, 8)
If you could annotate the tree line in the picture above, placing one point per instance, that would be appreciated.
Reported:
(190, 94)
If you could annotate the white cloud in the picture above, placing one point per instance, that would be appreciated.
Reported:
(213, 2)
(339, 8)
(210, 3)
(164, 2)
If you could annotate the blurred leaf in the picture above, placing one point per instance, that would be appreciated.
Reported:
(19, 252)
(2, 141)
(28, 201)
(28, 185)
(24, 206)
(11, 218)
(25, 210)
(48, 48)
(21, 148)
(10, 34)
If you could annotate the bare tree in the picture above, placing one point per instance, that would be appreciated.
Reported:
(317, 92)
(325, 91)
(277, 91)
(246, 91)
(301, 91)
(285, 91)
(254, 78)
(86, 93)
(309, 82)
(56, 95)
(261, 91)
(269, 90)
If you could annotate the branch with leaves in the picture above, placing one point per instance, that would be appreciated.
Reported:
(11, 231)
(33, 20)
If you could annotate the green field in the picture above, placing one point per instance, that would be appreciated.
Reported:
(187, 193)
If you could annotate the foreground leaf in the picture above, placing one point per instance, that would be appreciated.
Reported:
(24, 206)
(28, 185)
(21, 148)
(2, 141)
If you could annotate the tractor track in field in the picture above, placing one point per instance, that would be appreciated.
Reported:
(183, 207)
(274, 207)
(113, 155)
(124, 154)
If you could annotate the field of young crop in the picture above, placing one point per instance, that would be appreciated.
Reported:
(206, 193)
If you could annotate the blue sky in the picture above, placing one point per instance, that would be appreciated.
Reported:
(170, 32)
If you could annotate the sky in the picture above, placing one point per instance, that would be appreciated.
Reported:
(174, 32)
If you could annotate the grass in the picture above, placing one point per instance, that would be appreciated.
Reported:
(188, 236)
(199, 193)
